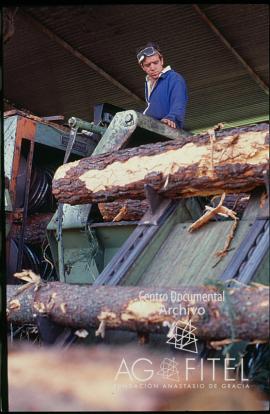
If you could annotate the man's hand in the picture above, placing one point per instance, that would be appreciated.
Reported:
(168, 122)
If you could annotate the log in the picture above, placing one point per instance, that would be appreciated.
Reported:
(131, 210)
(126, 210)
(86, 379)
(35, 230)
(233, 161)
(217, 314)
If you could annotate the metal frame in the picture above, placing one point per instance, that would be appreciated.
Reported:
(26, 130)
(148, 226)
(249, 255)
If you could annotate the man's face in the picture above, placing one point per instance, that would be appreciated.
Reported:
(152, 66)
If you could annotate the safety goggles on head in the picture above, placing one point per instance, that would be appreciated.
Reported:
(148, 51)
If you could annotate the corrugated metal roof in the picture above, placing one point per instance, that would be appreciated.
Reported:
(45, 78)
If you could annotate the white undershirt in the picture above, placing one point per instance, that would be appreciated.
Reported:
(150, 84)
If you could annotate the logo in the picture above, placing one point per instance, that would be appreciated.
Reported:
(168, 369)
(167, 373)
(183, 338)
(134, 373)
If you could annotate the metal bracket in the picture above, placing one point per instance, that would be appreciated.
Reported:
(156, 204)
(152, 197)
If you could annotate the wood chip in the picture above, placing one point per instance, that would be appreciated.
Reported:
(14, 304)
(63, 307)
(82, 333)
(101, 329)
(121, 214)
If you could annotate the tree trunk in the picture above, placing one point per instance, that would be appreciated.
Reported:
(233, 161)
(125, 210)
(133, 210)
(216, 314)
(35, 230)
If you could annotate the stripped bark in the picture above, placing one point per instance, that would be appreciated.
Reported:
(230, 313)
(195, 166)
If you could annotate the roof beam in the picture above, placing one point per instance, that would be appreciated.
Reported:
(65, 45)
(248, 68)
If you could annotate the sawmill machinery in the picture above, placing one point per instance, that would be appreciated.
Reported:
(86, 248)
(82, 244)
(155, 249)
(33, 148)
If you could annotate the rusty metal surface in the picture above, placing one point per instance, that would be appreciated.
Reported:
(13, 112)
(219, 87)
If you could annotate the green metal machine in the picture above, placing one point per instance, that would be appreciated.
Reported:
(86, 244)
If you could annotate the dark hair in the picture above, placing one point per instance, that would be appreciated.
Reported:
(153, 44)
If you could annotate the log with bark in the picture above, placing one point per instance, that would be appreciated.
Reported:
(88, 379)
(35, 230)
(232, 161)
(216, 313)
(126, 210)
(131, 210)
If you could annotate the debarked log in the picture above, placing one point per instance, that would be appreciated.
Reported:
(232, 161)
(124, 210)
(217, 314)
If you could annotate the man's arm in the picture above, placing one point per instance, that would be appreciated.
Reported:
(177, 100)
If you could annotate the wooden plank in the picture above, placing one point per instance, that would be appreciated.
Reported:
(134, 246)
(188, 258)
(253, 209)
(139, 267)
(262, 275)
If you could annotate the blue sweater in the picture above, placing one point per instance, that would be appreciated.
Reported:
(168, 98)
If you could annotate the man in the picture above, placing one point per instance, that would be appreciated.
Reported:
(165, 89)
